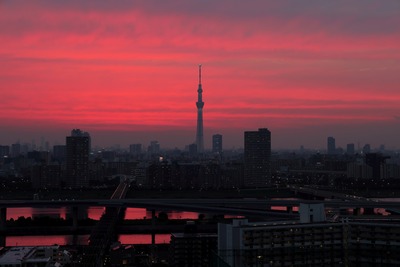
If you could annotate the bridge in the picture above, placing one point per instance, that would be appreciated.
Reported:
(103, 233)
(226, 206)
(318, 193)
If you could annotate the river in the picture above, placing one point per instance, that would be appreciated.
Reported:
(92, 213)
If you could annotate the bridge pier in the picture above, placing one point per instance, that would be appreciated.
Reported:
(75, 218)
(153, 233)
(369, 211)
(3, 219)
(357, 211)
(289, 209)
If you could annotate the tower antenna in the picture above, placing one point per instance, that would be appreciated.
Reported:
(199, 73)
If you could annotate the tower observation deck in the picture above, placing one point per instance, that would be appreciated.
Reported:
(200, 105)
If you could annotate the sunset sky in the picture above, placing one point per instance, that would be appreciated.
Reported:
(126, 71)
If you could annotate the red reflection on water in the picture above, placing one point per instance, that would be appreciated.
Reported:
(176, 215)
(283, 208)
(138, 213)
(46, 240)
(144, 239)
(135, 214)
(15, 213)
(95, 213)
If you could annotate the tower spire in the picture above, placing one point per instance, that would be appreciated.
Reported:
(200, 105)
(199, 73)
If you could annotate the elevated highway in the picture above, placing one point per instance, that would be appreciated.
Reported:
(216, 205)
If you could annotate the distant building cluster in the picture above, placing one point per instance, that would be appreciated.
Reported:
(77, 165)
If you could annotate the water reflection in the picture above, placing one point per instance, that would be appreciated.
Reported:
(46, 240)
(144, 238)
(93, 213)
(81, 239)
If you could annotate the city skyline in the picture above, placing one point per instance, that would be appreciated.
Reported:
(125, 71)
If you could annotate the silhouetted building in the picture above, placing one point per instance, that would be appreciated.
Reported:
(60, 153)
(46, 176)
(376, 162)
(390, 171)
(350, 149)
(200, 105)
(159, 175)
(257, 157)
(78, 150)
(154, 147)
(135, 149)
(15, 150)
(39, 156)
(367, 149)
(107, 155)
(192, 248)
(295, 243)
(359, 170)
(217, 143)
(4, 151)
(192, 149)
(331, 145)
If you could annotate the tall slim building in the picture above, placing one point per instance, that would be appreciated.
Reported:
(257, 157)
(78, 150)
(200, 105)
(331, 145)
(217, 143)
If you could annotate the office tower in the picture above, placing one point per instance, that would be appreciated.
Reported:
(217, 143)
(200, 105)
(135, 149)
(331, 146)
(78, 149)
(350, 149)
(257, 157)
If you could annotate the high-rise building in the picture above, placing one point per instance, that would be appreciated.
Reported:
(331, 145)
(257, 157)
(350, 149)
(217, 143)
(78, 150)
(200, 105)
